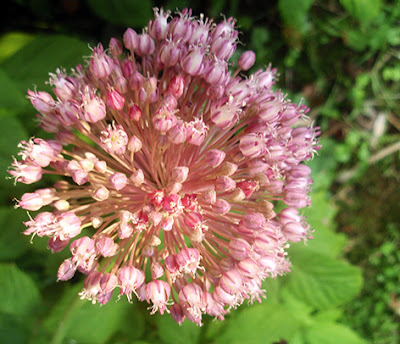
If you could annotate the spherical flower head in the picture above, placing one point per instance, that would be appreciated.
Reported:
(172, 161)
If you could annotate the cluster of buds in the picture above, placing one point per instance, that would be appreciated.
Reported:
(172, 164)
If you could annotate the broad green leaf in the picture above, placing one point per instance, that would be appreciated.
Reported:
(11, 42)
(331, 333)
(79, 321)
(322, 281)
(299, 310)
(12, 242)
(13, 329)
(171, 333)
(31, 64)
(9, 140)
(134, 13)
(19, 294)
(363, 10)
(11, 98)
(261, 323)
(320, 216)
(272, 288)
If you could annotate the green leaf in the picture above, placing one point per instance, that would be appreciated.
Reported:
(320, 216)
(363, 10)
(79, 321)
(8, 147)
(11, 42)
(134, 13)
(331, 333)
(294, 13)
(13, 329)
(171, 333)
(11, 98)
(320, 280)
(261, 323)
(12, 242)
(19, 294)
(31, 64)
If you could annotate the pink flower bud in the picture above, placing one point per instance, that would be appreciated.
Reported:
(66, 270)
(31, 201)
(176, 86)
(255, 221)
(118, 180)
(177, 134)
(100, 64)
(214, 157)
(108, 283)
(125, 231)
(294, 231)
(115, 47)
(180, 173)
(101, 193)
(41, 101)
(137, 177)
(136, 81)
(196, 132)
(170, 53)
(158, 27)
(246, 60)
(224, 184)
(57, 245)
(167, 224)
(221, 207)
(106, 246)
(134, 144)
(248, 187)
(177, 313)
(192, 219)
(231, 282)
(157, 270)
(100, 166)
(134, 113)
(192, 62)
(93, 107)
(130, 39)
(247, 267)
(252, 145)
(209, 196)
(130, 279)
(158, 292)
(115, 100)
(239, 248)
(144, 45)
(163, 120)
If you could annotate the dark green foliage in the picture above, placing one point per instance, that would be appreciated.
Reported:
(342, 58)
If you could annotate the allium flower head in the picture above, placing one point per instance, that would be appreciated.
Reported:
(172, 162)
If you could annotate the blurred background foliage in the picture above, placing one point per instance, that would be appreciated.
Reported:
(341, 58)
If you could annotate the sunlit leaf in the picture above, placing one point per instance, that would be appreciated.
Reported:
(80, 321)
(320, 216)
(320, 280)
(11, 42)
(362, 10)
(260, 323)
(331, 333)
(31, 64)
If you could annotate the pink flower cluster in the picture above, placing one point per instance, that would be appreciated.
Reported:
(172, 161)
